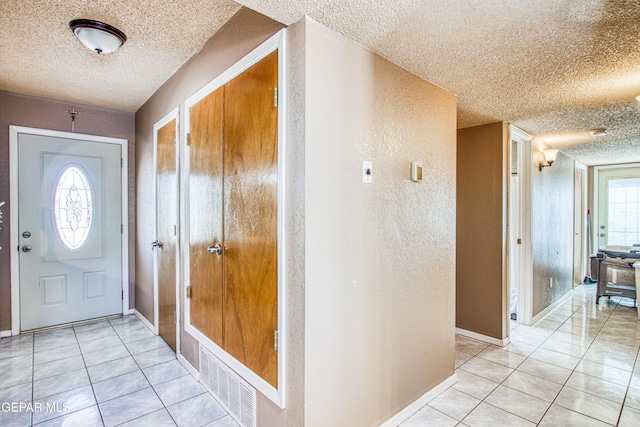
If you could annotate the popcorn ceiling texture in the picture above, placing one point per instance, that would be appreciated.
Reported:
(40, 56)
(551, 67)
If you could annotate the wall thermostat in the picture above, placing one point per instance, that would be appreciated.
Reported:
(416, 172)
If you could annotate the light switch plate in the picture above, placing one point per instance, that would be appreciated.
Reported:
(366, 172)
(416, 172)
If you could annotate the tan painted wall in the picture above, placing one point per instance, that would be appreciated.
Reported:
(552, 229)
(481, 229)
(380, 257)
(50, 114)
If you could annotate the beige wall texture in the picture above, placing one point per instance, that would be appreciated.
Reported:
(482, 229)
(379, 257)
(50, 114)
(552, 230)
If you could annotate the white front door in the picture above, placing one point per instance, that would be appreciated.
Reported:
(69, 230)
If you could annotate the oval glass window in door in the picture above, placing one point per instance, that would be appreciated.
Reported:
(73, 206)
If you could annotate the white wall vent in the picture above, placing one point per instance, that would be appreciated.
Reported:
(231, 391)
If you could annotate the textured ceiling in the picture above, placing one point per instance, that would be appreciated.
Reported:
(40, 56)
(555, 68)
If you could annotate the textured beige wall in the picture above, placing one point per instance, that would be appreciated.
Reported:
(380, 257)
(552, 230)
(50, 114)
(244, 32)
(268, 413)
(481, 229)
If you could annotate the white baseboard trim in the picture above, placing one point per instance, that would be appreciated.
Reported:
(131, 311)
(5, 334)
(145, 321)
(188, 366)
(552, 307)
(483, 338)
(414, 407)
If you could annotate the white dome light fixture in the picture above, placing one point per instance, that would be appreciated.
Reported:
(97, 36)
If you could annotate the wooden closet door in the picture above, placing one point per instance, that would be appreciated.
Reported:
(205, 214)
(166, 214)
(250, 217)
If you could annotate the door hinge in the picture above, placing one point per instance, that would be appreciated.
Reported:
(188, 291)
(175, 230)
(121, 228)
(175, 317)
(275, 97)
(121, 162)
(175, 141)
(275, 340)
(122, 295)
(519, 241)
(189, 138)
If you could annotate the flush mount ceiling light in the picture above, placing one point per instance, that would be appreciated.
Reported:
(97, 36)
(598, 132)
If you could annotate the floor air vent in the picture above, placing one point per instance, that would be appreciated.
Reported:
(231, 391)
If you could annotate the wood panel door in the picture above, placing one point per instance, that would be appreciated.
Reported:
(166, 230)
(205, 214)
(250, 217)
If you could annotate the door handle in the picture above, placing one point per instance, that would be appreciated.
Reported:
(217, 249)
(26, 248)
(156, 244)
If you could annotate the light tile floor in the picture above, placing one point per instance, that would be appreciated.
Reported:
(578, 366)
(106, 373)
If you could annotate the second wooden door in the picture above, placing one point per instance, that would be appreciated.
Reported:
(233, 203)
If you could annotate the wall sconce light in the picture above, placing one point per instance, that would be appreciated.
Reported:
(549, 158)
(97, 36)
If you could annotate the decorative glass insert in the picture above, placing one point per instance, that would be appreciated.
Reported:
(73, 207)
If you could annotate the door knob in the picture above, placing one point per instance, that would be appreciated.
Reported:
(217, 249)
(156, 244)
(602, 235)
(26, 248)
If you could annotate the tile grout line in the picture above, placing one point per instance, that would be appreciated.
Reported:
(585, 300)
(574, 369)
(86, 368)
(147, 379)
(33, 374)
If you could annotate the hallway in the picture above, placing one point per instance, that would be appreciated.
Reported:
(106, 373)
(578, 366)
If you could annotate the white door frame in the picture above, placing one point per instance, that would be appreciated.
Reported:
(582, 211)
(14, 131)
(173, 115)
(525, 258)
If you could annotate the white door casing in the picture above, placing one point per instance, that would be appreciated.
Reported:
(524, 262)
(68, 228)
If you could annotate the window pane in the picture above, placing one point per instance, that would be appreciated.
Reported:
(73, 207)
(624, 211)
